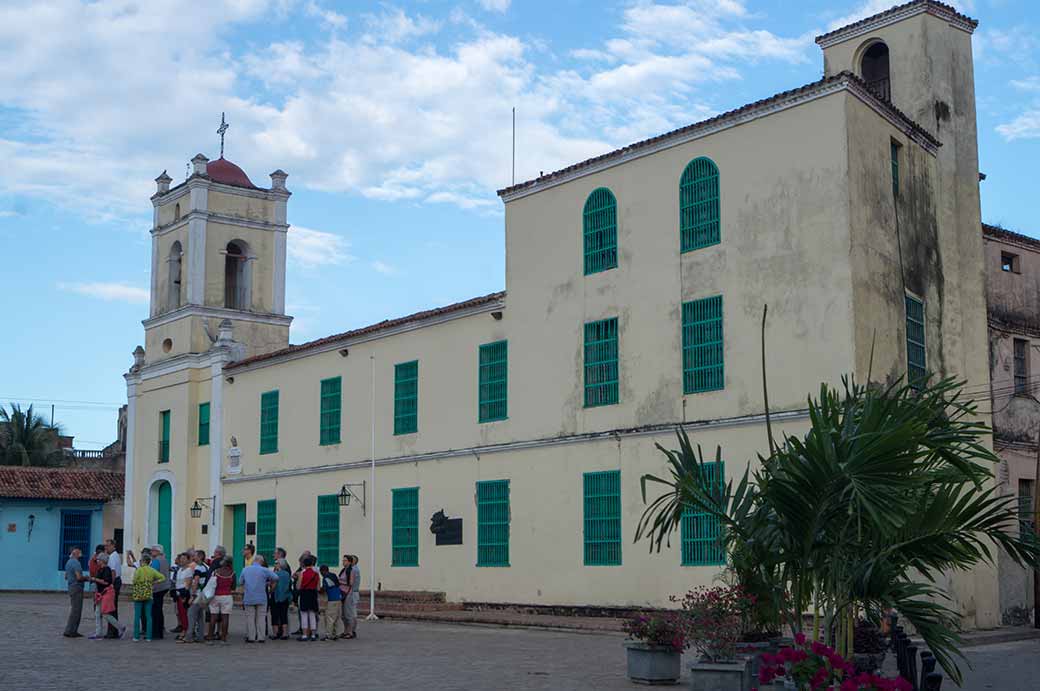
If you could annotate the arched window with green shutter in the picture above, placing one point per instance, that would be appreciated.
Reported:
(699, 205)
(599, 224)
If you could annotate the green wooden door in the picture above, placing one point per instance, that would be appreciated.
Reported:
(164, 497)
(238, 535)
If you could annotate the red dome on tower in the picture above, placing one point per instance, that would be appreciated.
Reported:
(226, 172)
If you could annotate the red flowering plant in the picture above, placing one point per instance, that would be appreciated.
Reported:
(664, 630)
(813, 665)
(715, 618)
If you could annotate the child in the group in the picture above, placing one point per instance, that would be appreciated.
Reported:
(333, 596)
(144, 577)
(308, 581)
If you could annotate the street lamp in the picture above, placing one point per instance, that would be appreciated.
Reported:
(345, 493)
(210, 502)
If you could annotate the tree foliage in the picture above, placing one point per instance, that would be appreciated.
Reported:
(26, 439)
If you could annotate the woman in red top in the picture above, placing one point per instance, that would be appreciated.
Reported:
(307, 584)
(222, 603)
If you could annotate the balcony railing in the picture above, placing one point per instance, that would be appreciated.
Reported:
(882, 88)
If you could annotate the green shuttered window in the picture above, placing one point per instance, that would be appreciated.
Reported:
(895, 169)
(599, 222)
(601, 362)
(699, 205)
(164, 436)
(916, 358)
(203, 424)
(493, 523)
(702, 345)
(328, 531)
(331, 403)
(406, 397)
(491, 401)
(405, 538)
(701, 532)
(266, 528)
(269, 422)
(602, 518)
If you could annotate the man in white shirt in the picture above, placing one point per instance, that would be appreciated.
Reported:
(115, 562)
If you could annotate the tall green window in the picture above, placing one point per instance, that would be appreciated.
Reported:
(405, 527)
(331, 403)
(601, 362)
(491, 396)
(895, 168)
(700, 531)
(269, 422)
(493, 523)
(702, 345)
(164, 436)
(406, 397)
(602, 492)
(203, 424)
(699, 205)
(266, 528)
(916, 358)
(328, 531)
(599, 224)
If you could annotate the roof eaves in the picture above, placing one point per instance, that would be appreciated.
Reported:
(1005, 235)
(894, 14)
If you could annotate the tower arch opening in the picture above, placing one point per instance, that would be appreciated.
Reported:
(173, 297)
(237, 276)
(874, 69)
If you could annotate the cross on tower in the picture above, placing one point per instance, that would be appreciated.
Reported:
(221, 130)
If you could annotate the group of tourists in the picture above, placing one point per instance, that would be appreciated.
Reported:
(203, 589)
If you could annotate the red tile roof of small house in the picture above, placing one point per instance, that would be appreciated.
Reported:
(22, 482)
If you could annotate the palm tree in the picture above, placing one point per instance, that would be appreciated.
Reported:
(25, 439)
(889, 488)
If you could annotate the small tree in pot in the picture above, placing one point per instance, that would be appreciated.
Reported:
(655, 645)
(714, 619)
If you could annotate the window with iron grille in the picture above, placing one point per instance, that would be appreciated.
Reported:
(701, 532)
(493, 523)
(266, 528)
(406, 397)
(601, 362)
(404, 548)
(491, 396)
(916, 358)
(203, 424)
(328, 531)
(164, 436)
(602, 493)
(269, 422)
(699, 217)
(895, 167)
(702, 345)
(1021, 365)
(331, 403)
(1025, 506)
(599, 222)
(75, 532)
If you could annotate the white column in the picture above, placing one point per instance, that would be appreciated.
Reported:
(128, 473)
(196, 261)
(216, 450)
(278, 305)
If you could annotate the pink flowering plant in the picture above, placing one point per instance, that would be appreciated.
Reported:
(813, 665)
(715, 618)
(664, 630)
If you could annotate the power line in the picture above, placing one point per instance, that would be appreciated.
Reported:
(56, 401)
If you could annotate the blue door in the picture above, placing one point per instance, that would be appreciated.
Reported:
(75, 532)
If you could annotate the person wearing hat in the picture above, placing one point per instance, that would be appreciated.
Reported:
(159, 589)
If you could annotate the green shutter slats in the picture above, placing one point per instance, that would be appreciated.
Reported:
(331, 404)
(602, 498)
(601, 362)
(404, 549)
(164, 436)
(328, 531)
(700, 532)
(493, 523)
(599, 224)
(702, 344)
(491, 395)
(203, 424)
(266, 528)
(895, 169)
(406, 397)
(269, 422)
(699, 217)
(916, 352)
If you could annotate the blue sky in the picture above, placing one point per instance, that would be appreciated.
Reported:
(393, 121)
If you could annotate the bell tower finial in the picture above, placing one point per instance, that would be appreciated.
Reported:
(221, 130)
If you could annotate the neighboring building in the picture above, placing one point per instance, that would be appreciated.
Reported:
(1013, 296)
(45, 512)
(635, 287)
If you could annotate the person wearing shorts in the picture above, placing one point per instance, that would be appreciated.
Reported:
(222, 603)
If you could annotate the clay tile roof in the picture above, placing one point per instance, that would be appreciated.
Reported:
(19, 482)
(998, 233)
(223, 170)
(729, 115)
(372, 329)
(933, 6)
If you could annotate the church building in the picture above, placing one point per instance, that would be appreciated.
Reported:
(633, 303)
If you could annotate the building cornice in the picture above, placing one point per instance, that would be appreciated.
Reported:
(214, 217)
(179, 363)
(897, 14)
(477, 451)
(197, 181)
(216, 313)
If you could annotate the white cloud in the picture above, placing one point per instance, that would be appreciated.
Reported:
(384, 268)
(1025, 126)
(495, 5)
(311, 248)
(332, 19)
(109, 292)
(1028, 84)
(394, 26)
(6, 213)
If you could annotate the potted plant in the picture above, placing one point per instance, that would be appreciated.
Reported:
(655, 644)
(812, 666)
(868, 647)
(713, 618)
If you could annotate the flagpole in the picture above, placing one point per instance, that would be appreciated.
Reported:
(372, 481)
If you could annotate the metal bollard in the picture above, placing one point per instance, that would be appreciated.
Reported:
(927, 665)
(911, 666)
(933, 682)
